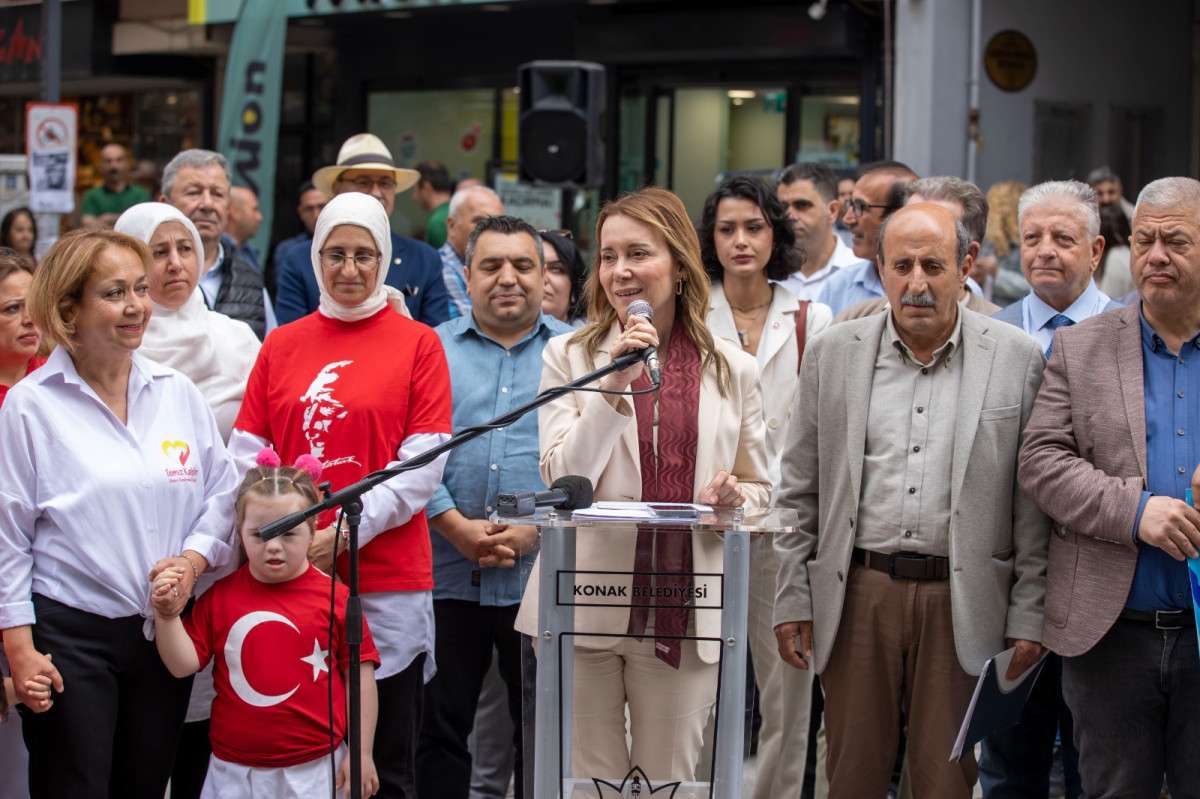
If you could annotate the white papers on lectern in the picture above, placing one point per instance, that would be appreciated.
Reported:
(643, 511)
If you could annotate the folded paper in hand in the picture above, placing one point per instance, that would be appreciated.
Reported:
(997, 702)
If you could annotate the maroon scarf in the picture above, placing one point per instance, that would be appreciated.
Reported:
(664, 555)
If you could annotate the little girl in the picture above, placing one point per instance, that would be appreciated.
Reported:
(267, 626)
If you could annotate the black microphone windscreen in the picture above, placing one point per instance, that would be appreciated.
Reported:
(578, 490)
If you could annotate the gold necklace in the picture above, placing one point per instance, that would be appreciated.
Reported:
(750, 321)
(751, 308)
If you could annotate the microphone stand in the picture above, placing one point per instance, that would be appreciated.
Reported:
(349, 499)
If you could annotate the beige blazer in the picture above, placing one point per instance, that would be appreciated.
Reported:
(581, 433)
(998, 537)
(776, 356)
(1084, 461)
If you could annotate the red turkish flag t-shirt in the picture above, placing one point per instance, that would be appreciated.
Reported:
(273, 661)
(350, 393)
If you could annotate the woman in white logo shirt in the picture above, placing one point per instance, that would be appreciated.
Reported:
(112, 469)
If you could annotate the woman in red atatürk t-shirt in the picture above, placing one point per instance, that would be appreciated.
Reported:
(19, 339)
(359, 385)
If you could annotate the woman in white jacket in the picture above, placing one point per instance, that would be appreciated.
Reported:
(699, 438)
(747, 243)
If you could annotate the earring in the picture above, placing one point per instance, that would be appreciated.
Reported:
(679, 287)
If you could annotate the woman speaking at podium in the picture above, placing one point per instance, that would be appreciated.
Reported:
(699, 438)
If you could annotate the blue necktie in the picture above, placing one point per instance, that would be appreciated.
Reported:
(1056, 321)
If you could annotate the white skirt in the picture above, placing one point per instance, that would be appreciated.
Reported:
(227, 780)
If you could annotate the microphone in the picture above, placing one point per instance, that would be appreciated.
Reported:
(650, 354)
(568, 493)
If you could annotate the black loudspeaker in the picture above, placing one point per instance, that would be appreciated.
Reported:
(562, 104)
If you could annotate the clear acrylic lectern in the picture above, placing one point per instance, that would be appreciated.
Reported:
(582, 606)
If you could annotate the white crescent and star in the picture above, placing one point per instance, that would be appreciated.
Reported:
(233, 658)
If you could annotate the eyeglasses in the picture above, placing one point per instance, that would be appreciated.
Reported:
(860, 207)
(336, 259)
(566, 234)
(365, 184)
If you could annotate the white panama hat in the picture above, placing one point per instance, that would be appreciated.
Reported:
(364, 151)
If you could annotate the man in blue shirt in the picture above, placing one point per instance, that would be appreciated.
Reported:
(876, 194)
(1110, 450)
(467, 207)
(479, 568)
(365, 165)
(1061, 246)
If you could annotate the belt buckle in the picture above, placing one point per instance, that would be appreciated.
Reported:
(1163, 617)
(911, 557)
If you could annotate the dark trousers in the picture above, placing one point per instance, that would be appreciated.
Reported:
(1016, 761)
(400, 702)
(191, 761)
(466, 635)
(1135, 697)
(114, 729)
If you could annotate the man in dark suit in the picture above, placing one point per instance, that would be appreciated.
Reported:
(365, 165)
(1109, 454)
(1061, 246)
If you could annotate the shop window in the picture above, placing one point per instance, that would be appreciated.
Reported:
(454, 126)
(829, 130)
(717, 131)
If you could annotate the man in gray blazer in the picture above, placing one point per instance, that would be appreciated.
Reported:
(1061, 246)
(918, 556)
(1110, 453)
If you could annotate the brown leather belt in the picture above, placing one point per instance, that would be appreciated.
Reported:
(904, 565)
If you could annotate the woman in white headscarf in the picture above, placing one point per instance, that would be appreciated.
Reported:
(216, 352)
(360, 386)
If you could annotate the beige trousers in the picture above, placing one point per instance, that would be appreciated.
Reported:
(668, 709)
(785, 693)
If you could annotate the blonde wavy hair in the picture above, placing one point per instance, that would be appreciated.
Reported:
(1002, 227)
(60, 278)
(664, 213)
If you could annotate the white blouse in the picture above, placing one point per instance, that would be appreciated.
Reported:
(777, 358)
(88, 505)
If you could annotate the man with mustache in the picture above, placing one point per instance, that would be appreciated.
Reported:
(494, 352)
(901, 465)
(1061, 245)
(1110, 453)
(104, 203)
(968, 204)
(197, 183)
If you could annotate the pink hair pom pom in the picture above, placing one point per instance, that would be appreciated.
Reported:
(268, 457)
(311, 465)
